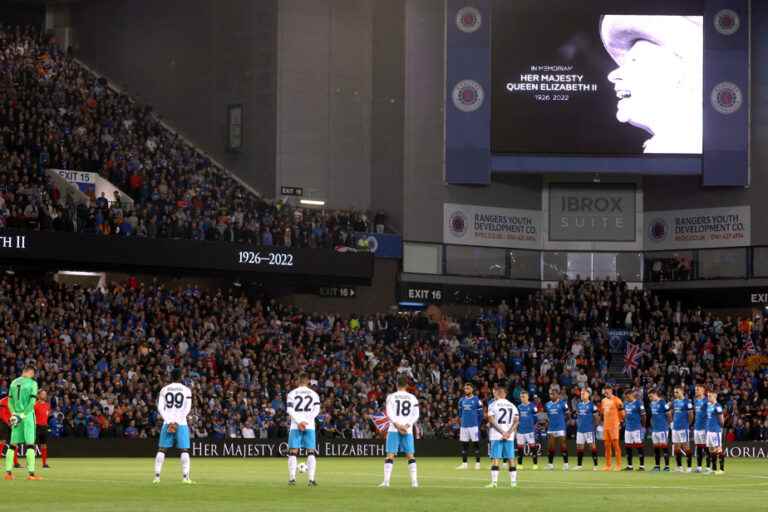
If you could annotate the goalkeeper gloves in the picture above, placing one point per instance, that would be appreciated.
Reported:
(16, 419)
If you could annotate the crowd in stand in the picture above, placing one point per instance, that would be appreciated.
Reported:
(56, 114)
(103, 355)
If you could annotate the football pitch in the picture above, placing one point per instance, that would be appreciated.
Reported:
(226, 485)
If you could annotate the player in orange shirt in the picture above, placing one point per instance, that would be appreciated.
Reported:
(612, 410)
(5, 431)
(42, 412)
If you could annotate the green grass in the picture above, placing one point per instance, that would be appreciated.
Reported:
(226, 485)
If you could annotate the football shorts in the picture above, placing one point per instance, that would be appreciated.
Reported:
(502, 449)
(660, 438)
(400, 443)
(680, 437)
(525, 439)
(585, 438)
(178, 439)
(467, 434)
(302, 439)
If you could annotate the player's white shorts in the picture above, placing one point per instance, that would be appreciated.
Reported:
(633, 437)
(585, 438)
(556, 433)
(660, 437)
(467, 434)
(600, 433)
(680, 437)
(525, 439)
(714, 439)
(700, 437)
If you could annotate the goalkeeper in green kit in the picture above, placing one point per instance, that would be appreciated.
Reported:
(22, 395)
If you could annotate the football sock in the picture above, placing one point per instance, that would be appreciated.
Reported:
(594, 455)
(520, 457)
(494, 474)
(513, 475)
(464, 450)
(689, 456)
(699, 455)
(159, 459)
(292, 465)
(551, 456)
(641, 455)
(31, 460)
(412, 470)
(707, 455)
(579, 457)
(629, 456)
(722, 461)
(608, 453)
(477, 452)
(616, 452)
(666, 458)
(388, 470)
(679, 458)
(185, 464)
(535, 455)
(657, 455)
(714, 462)
(9, 458)
(44, 454)
(311, 466)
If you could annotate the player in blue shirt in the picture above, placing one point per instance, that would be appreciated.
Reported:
(682, 417)
(715, 424)
(556, 409)
(587, 417)
(634, 419)
(526, 431)
(470, 416)
(660, 413)
(700, 426)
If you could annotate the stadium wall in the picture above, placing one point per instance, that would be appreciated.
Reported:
(324, 56)
(190, 60)
(261, 448)
(18, 13)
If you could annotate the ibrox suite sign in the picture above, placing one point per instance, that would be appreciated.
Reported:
(252, 448)
(586, 212)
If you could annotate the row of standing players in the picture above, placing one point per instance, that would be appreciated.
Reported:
(510, 427)
(302, 406)
(703, 414)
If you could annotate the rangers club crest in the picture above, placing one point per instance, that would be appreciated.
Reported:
(727, 98)
(458, 224)
(468, 96)
(727, 22)
(373, 244)
(658, 230)
(469, 19)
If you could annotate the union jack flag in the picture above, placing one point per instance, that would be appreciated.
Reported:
(632, 358)
(381, 421)
(749, 346)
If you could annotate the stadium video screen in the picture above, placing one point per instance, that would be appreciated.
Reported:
(623, 77)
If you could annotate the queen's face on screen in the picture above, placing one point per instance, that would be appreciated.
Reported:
(658, 79)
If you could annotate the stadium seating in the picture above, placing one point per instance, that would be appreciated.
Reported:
(56, 114)
(101, 355)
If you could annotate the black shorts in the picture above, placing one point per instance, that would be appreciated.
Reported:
(5, 432)
(41, 436)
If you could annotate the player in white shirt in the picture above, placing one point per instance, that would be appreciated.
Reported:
(503, 419)
(174, 405)
(403, 413)
(303, 406)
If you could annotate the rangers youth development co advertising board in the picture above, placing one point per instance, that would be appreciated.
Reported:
(698, 228)
(465, 224)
